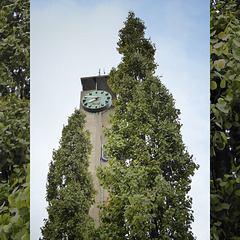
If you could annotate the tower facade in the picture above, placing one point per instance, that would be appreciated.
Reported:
(96, 102)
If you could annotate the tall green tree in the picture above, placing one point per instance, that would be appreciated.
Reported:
(14, 119)
(150, 170)
(70, 190)
(225, 114)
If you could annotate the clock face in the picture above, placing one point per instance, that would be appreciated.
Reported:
(96, 101)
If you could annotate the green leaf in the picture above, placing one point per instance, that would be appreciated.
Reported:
(222, 206)
(218, 124)
(212, 151)
(7, 228)
(229, 97)
(223, 36)
(225, 50)
(212, 33)
(15, 219)
(236, 42)
(218, 45)
(236, 54)
(223, 184)
(227, 176)
(216, 236)
(223, 84)
(24, 211)
(229, 188)
(237, 192)
(3, 236)
(11, 199)
(220, 64)
(222, 106)
(218, 223)
(228, 125)
(214, 198)
(26, 236)
(213, 85)
(236, 117)
(224, 136)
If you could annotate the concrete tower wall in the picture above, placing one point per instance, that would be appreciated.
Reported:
(95, 122)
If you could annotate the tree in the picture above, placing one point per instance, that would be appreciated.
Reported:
(14, 119)
(70, 190)
(150, 170)
(14, 84)
(225, 126)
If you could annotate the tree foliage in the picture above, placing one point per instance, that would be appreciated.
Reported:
(15, 217)
(70, 190)
(14, 119)
(149, 171)
(225, 113)
(15, 48)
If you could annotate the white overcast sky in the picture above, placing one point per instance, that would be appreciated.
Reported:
(71, 39)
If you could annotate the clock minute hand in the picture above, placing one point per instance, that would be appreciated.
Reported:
(92, 99)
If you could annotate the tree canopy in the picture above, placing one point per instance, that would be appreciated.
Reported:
(70, 190)
(225, 113)
(14, 119)
(15, 48)
(150, 170)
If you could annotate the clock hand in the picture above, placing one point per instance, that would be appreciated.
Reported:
(91, 96)
(92, 99)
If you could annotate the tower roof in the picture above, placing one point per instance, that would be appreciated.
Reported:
(96, 83)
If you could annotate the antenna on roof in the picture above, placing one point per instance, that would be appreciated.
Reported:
(104, 71)
(99, 71)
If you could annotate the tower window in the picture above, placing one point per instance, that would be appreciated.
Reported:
(104, 156)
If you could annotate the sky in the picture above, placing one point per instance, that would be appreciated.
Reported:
(71, 39)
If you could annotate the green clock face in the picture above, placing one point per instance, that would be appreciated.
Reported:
(96, 101)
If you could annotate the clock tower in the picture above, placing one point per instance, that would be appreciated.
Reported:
(96, 102)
